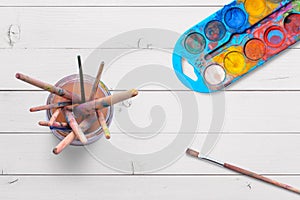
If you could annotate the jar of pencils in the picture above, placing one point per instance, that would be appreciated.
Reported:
(94, 130)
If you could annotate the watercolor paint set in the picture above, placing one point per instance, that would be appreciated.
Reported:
(236, 40)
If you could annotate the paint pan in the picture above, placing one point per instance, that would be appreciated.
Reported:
(194, 43)
(292, 24)
(236, 40)
(72, 83)
(235, 18)
(215, 30)
(234, 63)
(274, 36)
(214, 74)
(256, 8)
(255, 49)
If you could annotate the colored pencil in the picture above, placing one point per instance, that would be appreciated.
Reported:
(74, 125)
(55, 124)
(84, 125)
(51, 106)
(81, 80)
(96, 83)
(243, 171)
(54, 116)
(103, 124)
(48, 87)
(90, 107)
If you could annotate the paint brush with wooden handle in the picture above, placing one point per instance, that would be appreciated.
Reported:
(84, 125)
(96, 82)
(82, 91)
(243, 171)
(48, 87)
(90, 106)
(51, 106)
(103, 124)
(74, 125)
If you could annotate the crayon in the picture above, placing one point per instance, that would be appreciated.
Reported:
(96, 83)
(48, 87)
(51, 106)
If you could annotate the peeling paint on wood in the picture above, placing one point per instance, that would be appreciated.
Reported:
(14, 34)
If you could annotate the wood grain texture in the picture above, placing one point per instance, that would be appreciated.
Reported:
(50, 28)
(244, 111)
(142, 187)
(36, 156)
(117, 3)
(281, 73)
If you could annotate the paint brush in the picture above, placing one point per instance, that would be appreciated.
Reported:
(243, 171)
(84, 125)
(74, 125)
(60, 128)
(64, 143)
(96, 83)
(48, 87)
(103, 124)
(51, 106)
(54, 116)
(90, 107)
(81, 80)
(55, 124)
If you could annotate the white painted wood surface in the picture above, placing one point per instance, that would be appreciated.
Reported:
(42, 39)
(117, 3)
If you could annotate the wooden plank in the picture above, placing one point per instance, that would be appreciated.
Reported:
(244, 111)
(88, 27)
(65, 27)
(270, 154)
(118, 3)
(219, 187)
(280, 74)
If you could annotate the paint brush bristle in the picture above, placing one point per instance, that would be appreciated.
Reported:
(192, 152)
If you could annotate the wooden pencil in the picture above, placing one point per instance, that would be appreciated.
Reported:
(84, 125)
(96, 83)
(50, 106)
(54, 116)
(48, 87)
(74, 125)
(81, 80)
(90, 107)
(103, 124)
(243, 171)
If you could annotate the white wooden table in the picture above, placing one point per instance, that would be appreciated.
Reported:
(42, 39)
